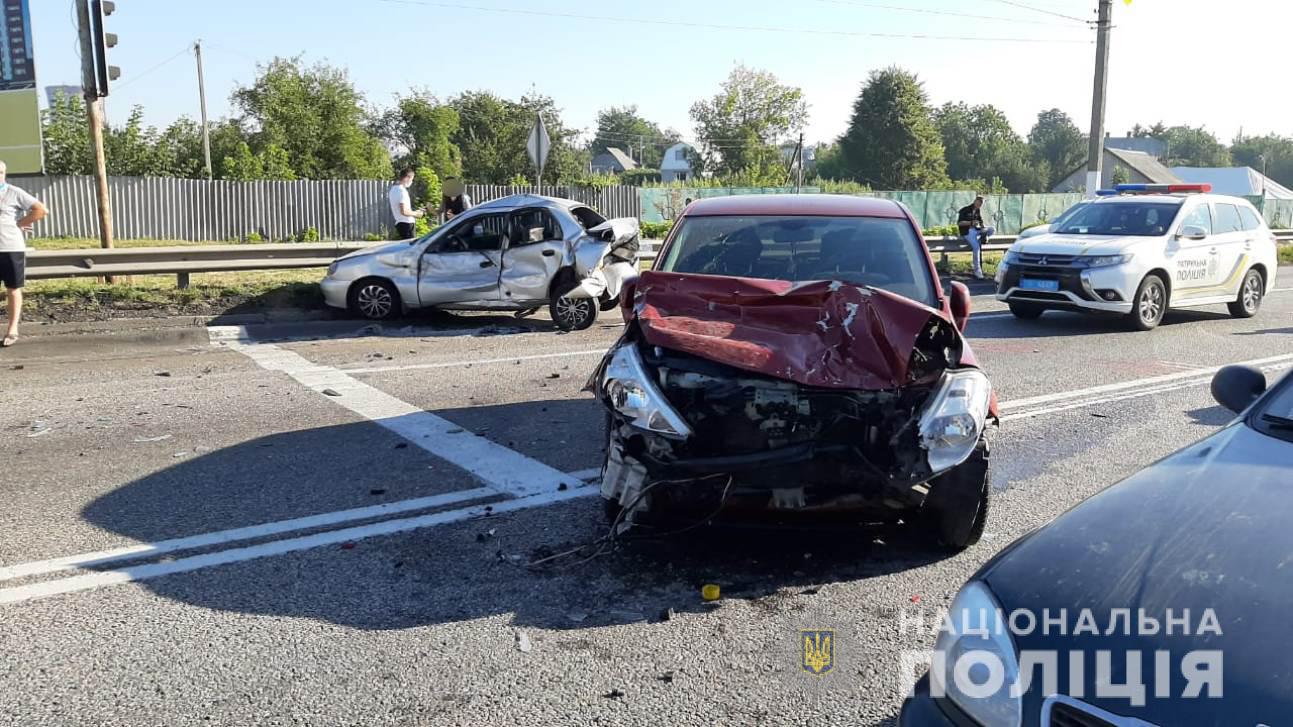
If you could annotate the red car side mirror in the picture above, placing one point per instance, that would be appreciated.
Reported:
(960, 299)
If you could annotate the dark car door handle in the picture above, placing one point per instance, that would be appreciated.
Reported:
(487, 263)
(549, 253)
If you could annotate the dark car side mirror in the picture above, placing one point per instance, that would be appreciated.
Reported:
(960, 299)
(1237, 387)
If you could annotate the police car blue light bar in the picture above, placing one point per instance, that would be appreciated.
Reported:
(1142, 188)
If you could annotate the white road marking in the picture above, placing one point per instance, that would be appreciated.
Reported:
(253, 532)
(476, 362)
(131, 574)
(1063, 396)
(507, 471)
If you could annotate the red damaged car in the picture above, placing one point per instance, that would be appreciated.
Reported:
(797, 355)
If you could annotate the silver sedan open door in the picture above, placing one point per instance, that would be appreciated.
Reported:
(462, 266)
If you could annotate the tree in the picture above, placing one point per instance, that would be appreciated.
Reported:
(978, 143)
(66, 138)
(316, 117)
(1059, 143)
(739, 127)
(891, 142)
(622, 127)
(1278, 151)
(423, 128)
(1189, 146)
(493, 133)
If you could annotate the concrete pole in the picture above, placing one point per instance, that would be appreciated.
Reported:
(94, 115)
(202, 98)
(1095, 148)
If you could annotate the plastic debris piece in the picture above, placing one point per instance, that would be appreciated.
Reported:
(554, 376)
(666, 677)
(402, 445)
(348, 546)
(377, 491)
(330, 392)
(614, 694)
(455, 430)
(523, 642)
(668, 614)
(165, 374)
(710, 592)
(577, 616)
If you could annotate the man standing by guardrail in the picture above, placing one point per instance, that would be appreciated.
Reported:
(970, 222)
(18, 212)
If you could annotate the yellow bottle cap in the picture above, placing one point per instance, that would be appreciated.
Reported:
(710, 592)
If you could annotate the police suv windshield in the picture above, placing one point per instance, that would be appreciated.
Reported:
(877, 252)
(1139, 219)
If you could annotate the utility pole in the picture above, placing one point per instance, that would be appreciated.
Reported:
(799, 152)
(94, 112)
(202, 97)
(1095, 147)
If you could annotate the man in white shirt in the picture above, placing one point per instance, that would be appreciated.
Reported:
(402, 208)
(18, 212)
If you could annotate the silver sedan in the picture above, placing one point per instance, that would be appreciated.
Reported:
(518, 253)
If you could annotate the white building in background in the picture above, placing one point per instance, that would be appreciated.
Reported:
(676, 164)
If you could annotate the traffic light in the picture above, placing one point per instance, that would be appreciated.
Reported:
(100, 41)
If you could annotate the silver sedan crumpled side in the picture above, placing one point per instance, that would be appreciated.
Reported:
(518, 253)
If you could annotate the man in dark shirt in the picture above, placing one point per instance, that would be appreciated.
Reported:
(970, 222)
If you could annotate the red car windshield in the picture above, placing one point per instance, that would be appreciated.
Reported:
(873, 251)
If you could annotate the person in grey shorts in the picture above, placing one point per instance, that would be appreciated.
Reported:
(18, 212)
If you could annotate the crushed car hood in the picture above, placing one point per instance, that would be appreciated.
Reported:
(822, 333)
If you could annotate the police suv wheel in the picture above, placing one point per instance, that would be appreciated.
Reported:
(1250, 296)
(1149, 305)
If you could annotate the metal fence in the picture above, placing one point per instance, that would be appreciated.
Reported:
(196, 209)
(611, 202)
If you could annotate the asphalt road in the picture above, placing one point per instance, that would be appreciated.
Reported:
(337, 531)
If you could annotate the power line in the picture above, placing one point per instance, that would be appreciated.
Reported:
(716, 26)
(1036, 9)
(944, 13)
(134, 78)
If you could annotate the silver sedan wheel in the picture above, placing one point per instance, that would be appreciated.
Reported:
(375, 301)
(574, 314)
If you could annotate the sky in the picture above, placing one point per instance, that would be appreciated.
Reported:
(1178, 61)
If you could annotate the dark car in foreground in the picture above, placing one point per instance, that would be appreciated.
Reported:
(795, 356)
(1173, 589)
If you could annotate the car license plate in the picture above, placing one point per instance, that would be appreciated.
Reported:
(1036, 284)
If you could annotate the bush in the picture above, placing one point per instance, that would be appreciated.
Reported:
(310, 234)
(640, 177)
(375, 237)
(942, 231)
(834, 186)
(255, 237)
(655, 230)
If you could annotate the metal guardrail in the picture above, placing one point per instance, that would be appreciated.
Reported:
(183, 261)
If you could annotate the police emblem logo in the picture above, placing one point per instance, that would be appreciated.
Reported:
(818, 651)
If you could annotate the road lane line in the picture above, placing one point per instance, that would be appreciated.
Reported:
(252, 532)
(131, 574)
(476, 362)
(1134, 384)
(505, 470)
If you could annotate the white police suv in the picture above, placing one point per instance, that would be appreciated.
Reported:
(1140, 249)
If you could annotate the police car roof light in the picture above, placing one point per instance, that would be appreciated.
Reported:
(1141, 188)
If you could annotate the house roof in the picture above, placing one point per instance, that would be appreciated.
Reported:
(1147, 144)
(1146, 165)
(621, 158)
(1236, 181)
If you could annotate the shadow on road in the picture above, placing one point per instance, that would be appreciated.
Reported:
(1211, 416)
(1267, 332)
(471, 569)
(1055, 324)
